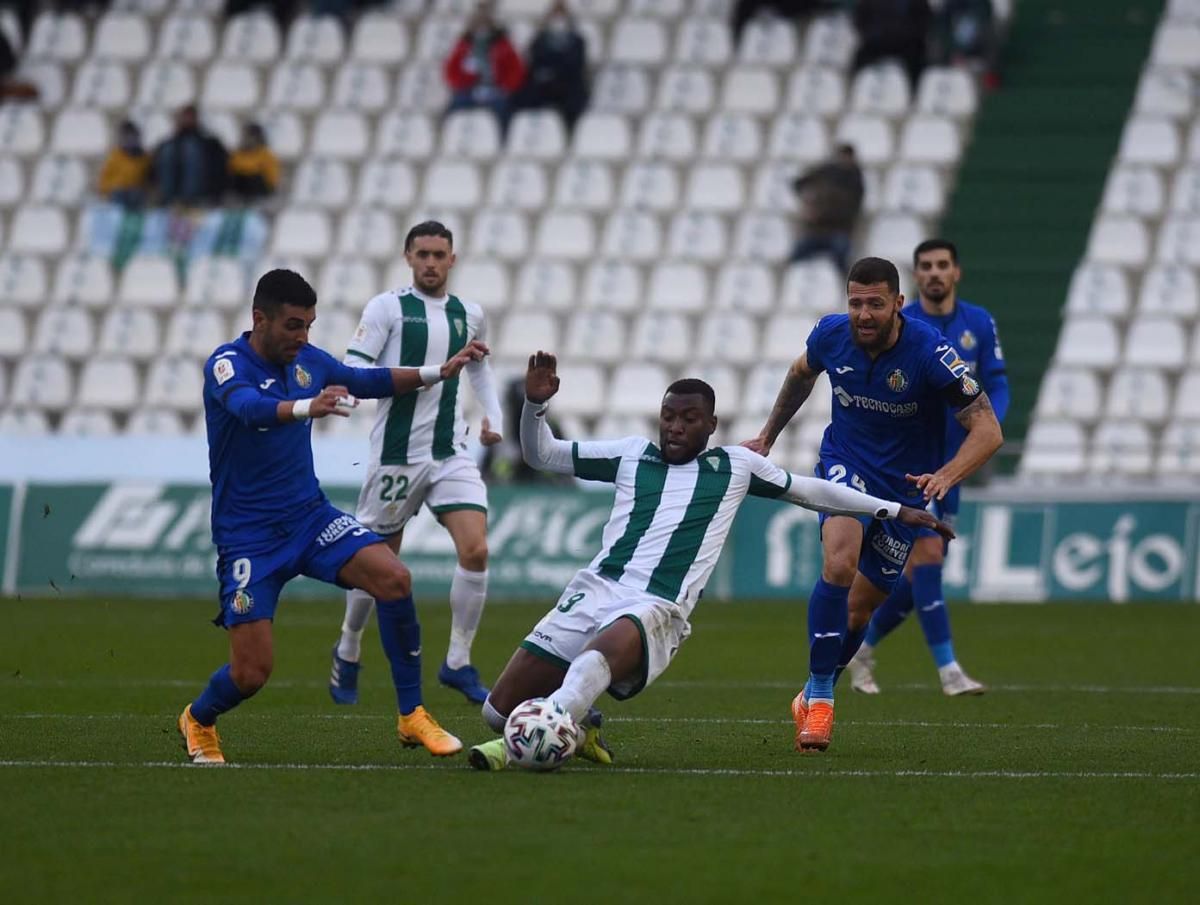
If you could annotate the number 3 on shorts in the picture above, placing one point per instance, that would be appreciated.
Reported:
(569, 603)
(241, 573)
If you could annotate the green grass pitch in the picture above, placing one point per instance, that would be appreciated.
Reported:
(1076, 779)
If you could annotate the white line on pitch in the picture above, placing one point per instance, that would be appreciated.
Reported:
(744, 721)
(653, 771)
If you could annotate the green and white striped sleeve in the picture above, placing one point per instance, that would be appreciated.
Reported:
(371, 334)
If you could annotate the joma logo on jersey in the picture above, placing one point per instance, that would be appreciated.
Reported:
(339, 528)
(890, 548)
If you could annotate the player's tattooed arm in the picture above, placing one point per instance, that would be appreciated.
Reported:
(984, 437)
(797, 387)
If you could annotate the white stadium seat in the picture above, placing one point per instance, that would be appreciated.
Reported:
(409, 136)
(22, 133)
(301, 233)
(881, 89)
(50, 80)
(584, 185)
(109, 384)
(715, 187)
(60, 180)
(686, 89)
(132, 333)
(1069, 393)
(814, 286)
(894, 236)
(472, 134)
(175, 384)
(317, 39)
(650, 186)
(678, 287)
(750, 90)
(83, 280)
(58, 36)
(361, 86)
(603, 136)
(333, 329)
(526, 331)
(947, 91)
(1098, 289)
(1134, 190)
(1170, 290)
(421, 89)
(149, 281)
(547, 285)
(1150, 140)
(23, 282)
(639, 41)
(166, 84)
(284, 130)
(728, 337)
(816, 91)
(871, 137)
(704, 42)
(1054, 448)
(219, 282)
(773, 187)
(296, 86)
(762, 236)
(596, 336)
(931, 139)
(1179, 240)
(121, 36)
(454, 184)
(187, 38)
(733, 136)
(830, 41)
(154, 423)
(1185, 191)
(195, 332)
(252, 37)
(634, 389)
(102, 85)
(785, 339)
(39, 230)
(87, 423)
(769, 42)
(745, 287)
(621, 89)
(1089, 342)
(380, 38)
(633, 235)
(518, 184)
(230, 86)
(1139, 394)
(1156, 343)
(582, 390)
(387, 183)
(1165, 92)
(667, 135)
(13, 337)
(43, 382)
(370, 232)
(81, 133)
(663, 9)
(1123, 447)
(348, 283)
(500, 233)
(1175, 44)
(483, 282)
(565, 235)
(66, 331)
(24, 423)
(613, 286)
(537, 135)
(697, 236)
(914, 187)
(726, 384)
(1187, 398)
(318, 182)
(1118, 240)
(341, 133)
(1179, 452)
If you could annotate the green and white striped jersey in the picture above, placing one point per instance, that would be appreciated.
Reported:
(669, 522)
(407, 329)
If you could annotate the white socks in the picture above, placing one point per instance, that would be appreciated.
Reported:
(584, 682)
(468, 591)
(358, 612)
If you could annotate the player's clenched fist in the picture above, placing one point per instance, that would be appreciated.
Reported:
(472, 351)
(541, 380)
(333, 400)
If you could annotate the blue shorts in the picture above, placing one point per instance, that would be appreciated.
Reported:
(947, 510)
(886, 542)
(251, 577)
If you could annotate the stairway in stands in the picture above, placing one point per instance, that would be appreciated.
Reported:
(1035, 170)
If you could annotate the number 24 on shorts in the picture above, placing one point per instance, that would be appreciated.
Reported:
(394, 489)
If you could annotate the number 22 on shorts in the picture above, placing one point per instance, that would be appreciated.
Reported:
(394, 489)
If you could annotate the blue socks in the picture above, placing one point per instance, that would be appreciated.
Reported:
(827, 616)
(931, 611)
(401, 636)
(850, 645)
(892, 612)
(219, 696)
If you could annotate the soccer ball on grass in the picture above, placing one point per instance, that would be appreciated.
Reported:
(539, 735)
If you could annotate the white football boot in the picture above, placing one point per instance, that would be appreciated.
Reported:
(862, 671)
(956, 682)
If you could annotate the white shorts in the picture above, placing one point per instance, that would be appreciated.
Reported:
(591, 603)
(393, 494)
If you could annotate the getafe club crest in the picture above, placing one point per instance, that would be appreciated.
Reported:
(303, 378)
(243, 603)
(897, 381)
(970, 385)
(967, 341)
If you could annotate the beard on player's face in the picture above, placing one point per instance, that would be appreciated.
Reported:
(872, 331)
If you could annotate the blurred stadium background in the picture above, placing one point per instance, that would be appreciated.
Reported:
(651, 242)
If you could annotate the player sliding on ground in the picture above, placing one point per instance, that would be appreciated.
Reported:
(893, 379)
(270, 520)
(621, 620)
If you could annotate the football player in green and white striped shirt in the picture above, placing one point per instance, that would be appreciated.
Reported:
(620, 620)
(418, 449)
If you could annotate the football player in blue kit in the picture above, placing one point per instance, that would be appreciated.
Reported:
(892, 379)
(270, 520)
(972, 332)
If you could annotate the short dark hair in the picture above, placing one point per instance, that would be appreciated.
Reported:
(694, 386)
(428, 228)
(277, 288)
(935, 245)
(874, 270)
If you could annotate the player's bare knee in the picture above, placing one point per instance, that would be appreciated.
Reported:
(928, 551)
(397, 584)
(839, 570)
(474, 556)
(250, 676)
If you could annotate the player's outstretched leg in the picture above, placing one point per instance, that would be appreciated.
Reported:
(890, 615)
(827, 621)
(343, 675)
(525, 676)
(935, 623)
(251, 660)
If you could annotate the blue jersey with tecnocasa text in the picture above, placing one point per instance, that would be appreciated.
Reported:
(888, 412)
(261, 468)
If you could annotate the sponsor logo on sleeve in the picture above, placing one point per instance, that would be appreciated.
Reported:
(953, 362)
(223, 370)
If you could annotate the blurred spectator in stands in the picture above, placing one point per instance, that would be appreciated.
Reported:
(253, 167)
(125, 175)
(831, 196)
(893, 29)
(792, 10)
(556, 68)
(281, 10)
(484, 69)
(190, 166)
(504, 462)
(965, 34)
(12, 88)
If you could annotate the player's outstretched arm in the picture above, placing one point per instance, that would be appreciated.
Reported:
(836, 499)
(405, 380)
(984, 437)
(797, 387)
(540, 448)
